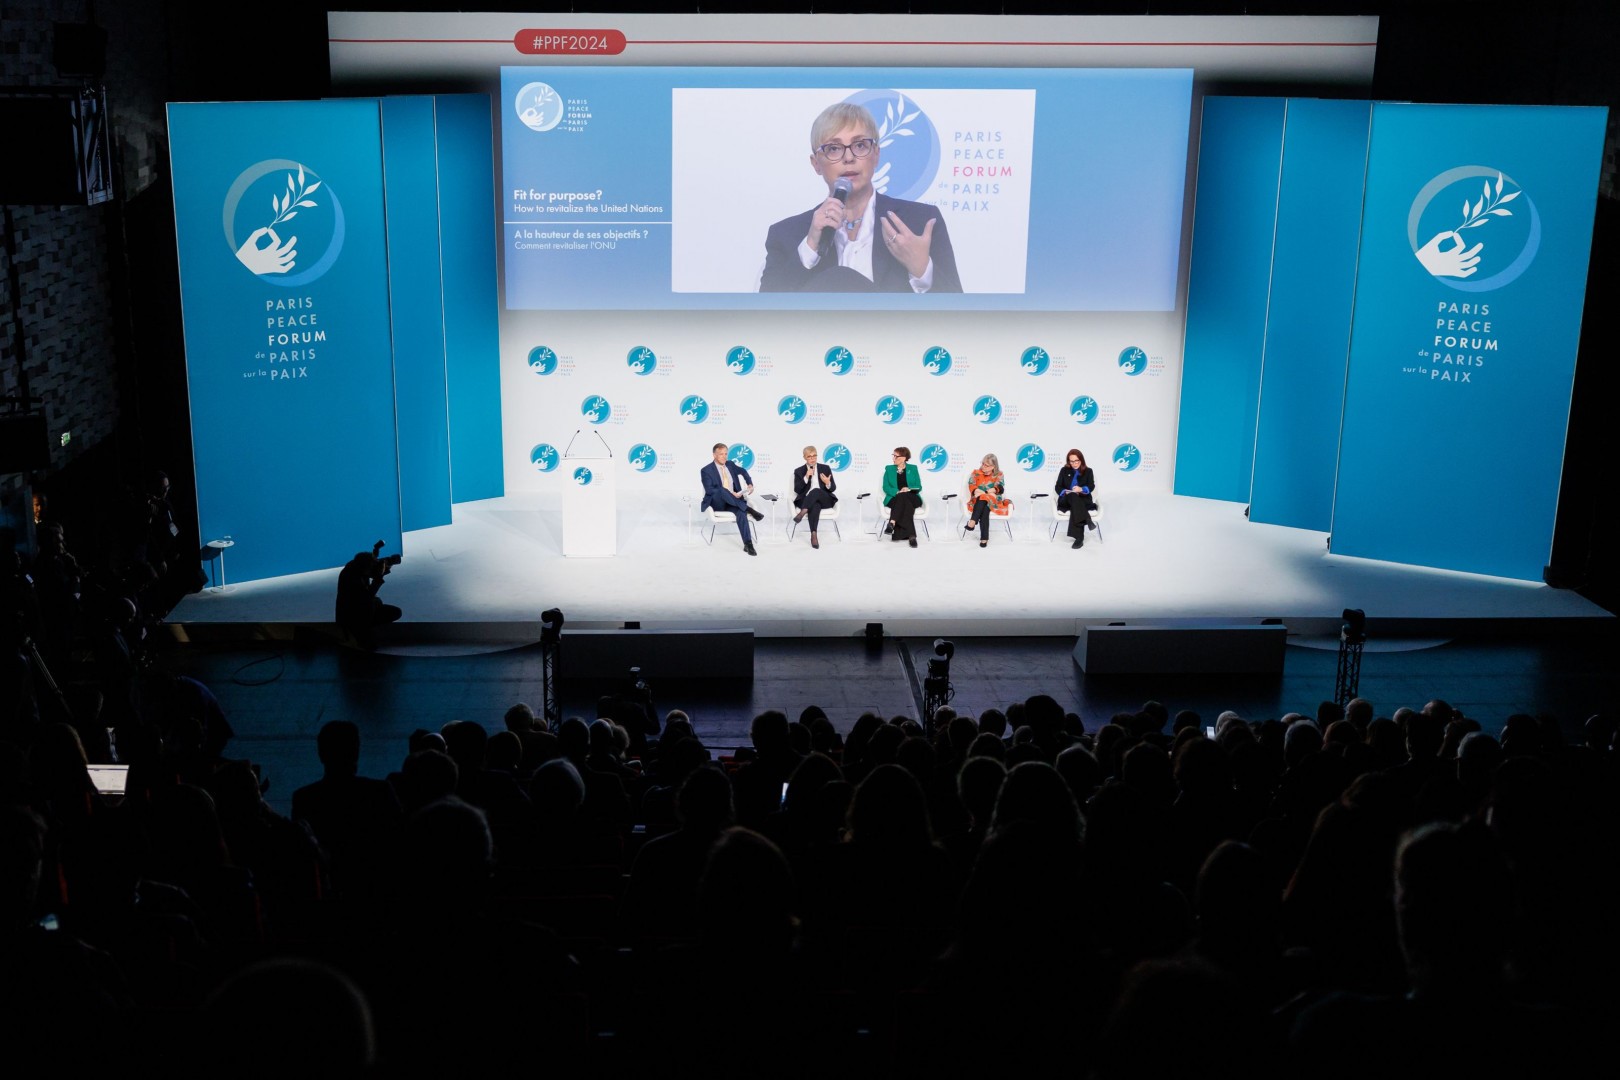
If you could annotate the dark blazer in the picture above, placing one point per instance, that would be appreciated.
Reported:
(1065, 481)
(785, 273)
(801, 483)
(711, 482)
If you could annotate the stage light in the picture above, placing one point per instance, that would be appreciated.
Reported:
(937, 689)
(1352, 639)
(551, 624)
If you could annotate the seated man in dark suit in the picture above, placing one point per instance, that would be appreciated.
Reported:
(726, 486)
(857, 240)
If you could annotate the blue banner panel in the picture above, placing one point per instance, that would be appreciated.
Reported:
(1475, 241)
(467, 235)
(1313, 283)
(411, 174)
(284, 287)
(1234, 217)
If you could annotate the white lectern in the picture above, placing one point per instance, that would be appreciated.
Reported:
(590, 507)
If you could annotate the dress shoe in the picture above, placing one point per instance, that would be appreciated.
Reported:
(1079, 541)
(984, 543)
(755, 514)
(814, 542)
(799, 516)
(912, 541)
(749, 548)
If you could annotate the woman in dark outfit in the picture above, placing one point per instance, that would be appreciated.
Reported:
(1075, 485)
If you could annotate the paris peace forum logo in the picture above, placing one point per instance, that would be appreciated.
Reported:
(792, 409)
(1084, 409)
(741, 453)
(1132, 360)
(1126, 457)
(542, 361)
(643, 458)
(1031, 458)
(836, 456)
(283, 222)
(739, 360)
(1034, 360)
(538, 106)
(890, 409)
(986, 409)
(641, 360)
(839, 360)
(937, 360)
(583, 476)
(909, 144)
(544, 457)
(595, 409)
(934, 457)
(694, 410)
(1494, 235)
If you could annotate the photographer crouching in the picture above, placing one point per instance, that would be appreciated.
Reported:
(359, 611)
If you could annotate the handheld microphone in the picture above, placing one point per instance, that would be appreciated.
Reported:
(840, 191)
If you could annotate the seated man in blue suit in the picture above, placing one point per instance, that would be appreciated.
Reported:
(857, 240)
(726, 486)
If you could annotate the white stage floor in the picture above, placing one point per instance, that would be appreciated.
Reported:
(1161, 558)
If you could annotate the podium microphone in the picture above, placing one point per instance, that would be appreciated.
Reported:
(840, 191)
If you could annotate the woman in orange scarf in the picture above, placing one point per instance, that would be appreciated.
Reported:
(985, 489)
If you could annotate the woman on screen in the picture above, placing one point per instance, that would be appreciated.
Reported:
(857, 240)
(986, 488)
(1075, 483)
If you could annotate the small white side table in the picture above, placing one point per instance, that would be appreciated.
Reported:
(221, 546)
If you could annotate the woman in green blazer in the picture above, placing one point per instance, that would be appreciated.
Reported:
(902, 495)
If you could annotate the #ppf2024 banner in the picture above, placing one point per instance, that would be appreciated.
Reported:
(1475, 239)
(284, 290)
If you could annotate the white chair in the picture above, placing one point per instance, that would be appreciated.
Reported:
(829, 514)
(1005, 517)
(1060, 520)
(920, 517)
(716, 518)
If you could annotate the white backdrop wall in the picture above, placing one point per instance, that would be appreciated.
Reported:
(1108, 381)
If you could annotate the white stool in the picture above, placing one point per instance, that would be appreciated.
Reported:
(221, 545)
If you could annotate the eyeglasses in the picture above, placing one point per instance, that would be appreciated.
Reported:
(837, 151)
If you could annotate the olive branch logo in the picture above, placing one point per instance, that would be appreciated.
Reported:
(1490, 205)
(893, 126)
(297, 194)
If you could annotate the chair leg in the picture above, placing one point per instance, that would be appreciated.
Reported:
(836, 529)
(710, 538)
(924, 523)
